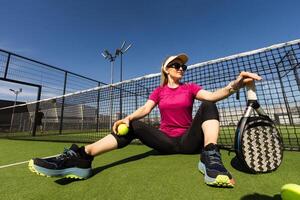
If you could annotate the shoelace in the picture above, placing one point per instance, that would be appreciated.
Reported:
(67, 154)
(214, 158)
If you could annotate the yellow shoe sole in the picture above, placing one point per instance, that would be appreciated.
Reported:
(33, 169)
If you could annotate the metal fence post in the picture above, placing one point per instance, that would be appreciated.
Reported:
(6, 66)
(97, 110)
(36, 110)
(63, 105)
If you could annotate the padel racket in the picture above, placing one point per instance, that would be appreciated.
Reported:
(258, 143)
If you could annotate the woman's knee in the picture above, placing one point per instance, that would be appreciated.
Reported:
(208, 110)
(209, 105)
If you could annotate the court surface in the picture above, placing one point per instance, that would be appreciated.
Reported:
(135, 172)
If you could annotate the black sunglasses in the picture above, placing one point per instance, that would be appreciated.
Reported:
(177, 66)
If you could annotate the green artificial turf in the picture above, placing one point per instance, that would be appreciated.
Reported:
(135, 172)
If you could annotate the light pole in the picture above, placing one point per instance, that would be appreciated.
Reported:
(107, 55)
(120, 52)
(111, 59)
(16, 92)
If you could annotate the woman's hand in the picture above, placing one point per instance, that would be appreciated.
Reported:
(121, 121)
(243, 79)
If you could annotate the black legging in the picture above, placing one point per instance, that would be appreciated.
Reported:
(191, 141)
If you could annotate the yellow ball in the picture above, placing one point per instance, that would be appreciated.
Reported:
(290, 192)
(122, 129)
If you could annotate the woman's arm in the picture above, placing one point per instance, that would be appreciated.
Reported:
(243, 79)
(214, 96)
(142, 111)
(138, 114)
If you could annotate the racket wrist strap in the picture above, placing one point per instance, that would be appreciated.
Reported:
(232, 87)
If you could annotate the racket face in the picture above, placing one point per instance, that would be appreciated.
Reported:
(261, 145)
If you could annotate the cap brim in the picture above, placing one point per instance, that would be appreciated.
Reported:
(183, 57)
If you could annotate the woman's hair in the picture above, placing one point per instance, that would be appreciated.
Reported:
(164, 75)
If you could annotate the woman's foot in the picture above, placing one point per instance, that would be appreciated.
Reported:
(72, 163)
(210, 164)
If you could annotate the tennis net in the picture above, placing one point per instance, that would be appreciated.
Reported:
(88, 115)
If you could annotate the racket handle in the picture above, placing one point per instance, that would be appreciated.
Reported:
(251, 91)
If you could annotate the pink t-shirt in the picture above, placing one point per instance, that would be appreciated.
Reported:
(175, 106)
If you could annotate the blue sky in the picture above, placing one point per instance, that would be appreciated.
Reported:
(71, 34)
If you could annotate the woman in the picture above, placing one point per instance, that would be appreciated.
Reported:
(178, 132)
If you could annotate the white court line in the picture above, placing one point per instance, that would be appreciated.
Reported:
(23, 162)
(18, 163)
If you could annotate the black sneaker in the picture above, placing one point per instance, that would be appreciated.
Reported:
(72, 163)
(212, 167)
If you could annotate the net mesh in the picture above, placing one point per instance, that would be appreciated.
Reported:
(87, 115)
